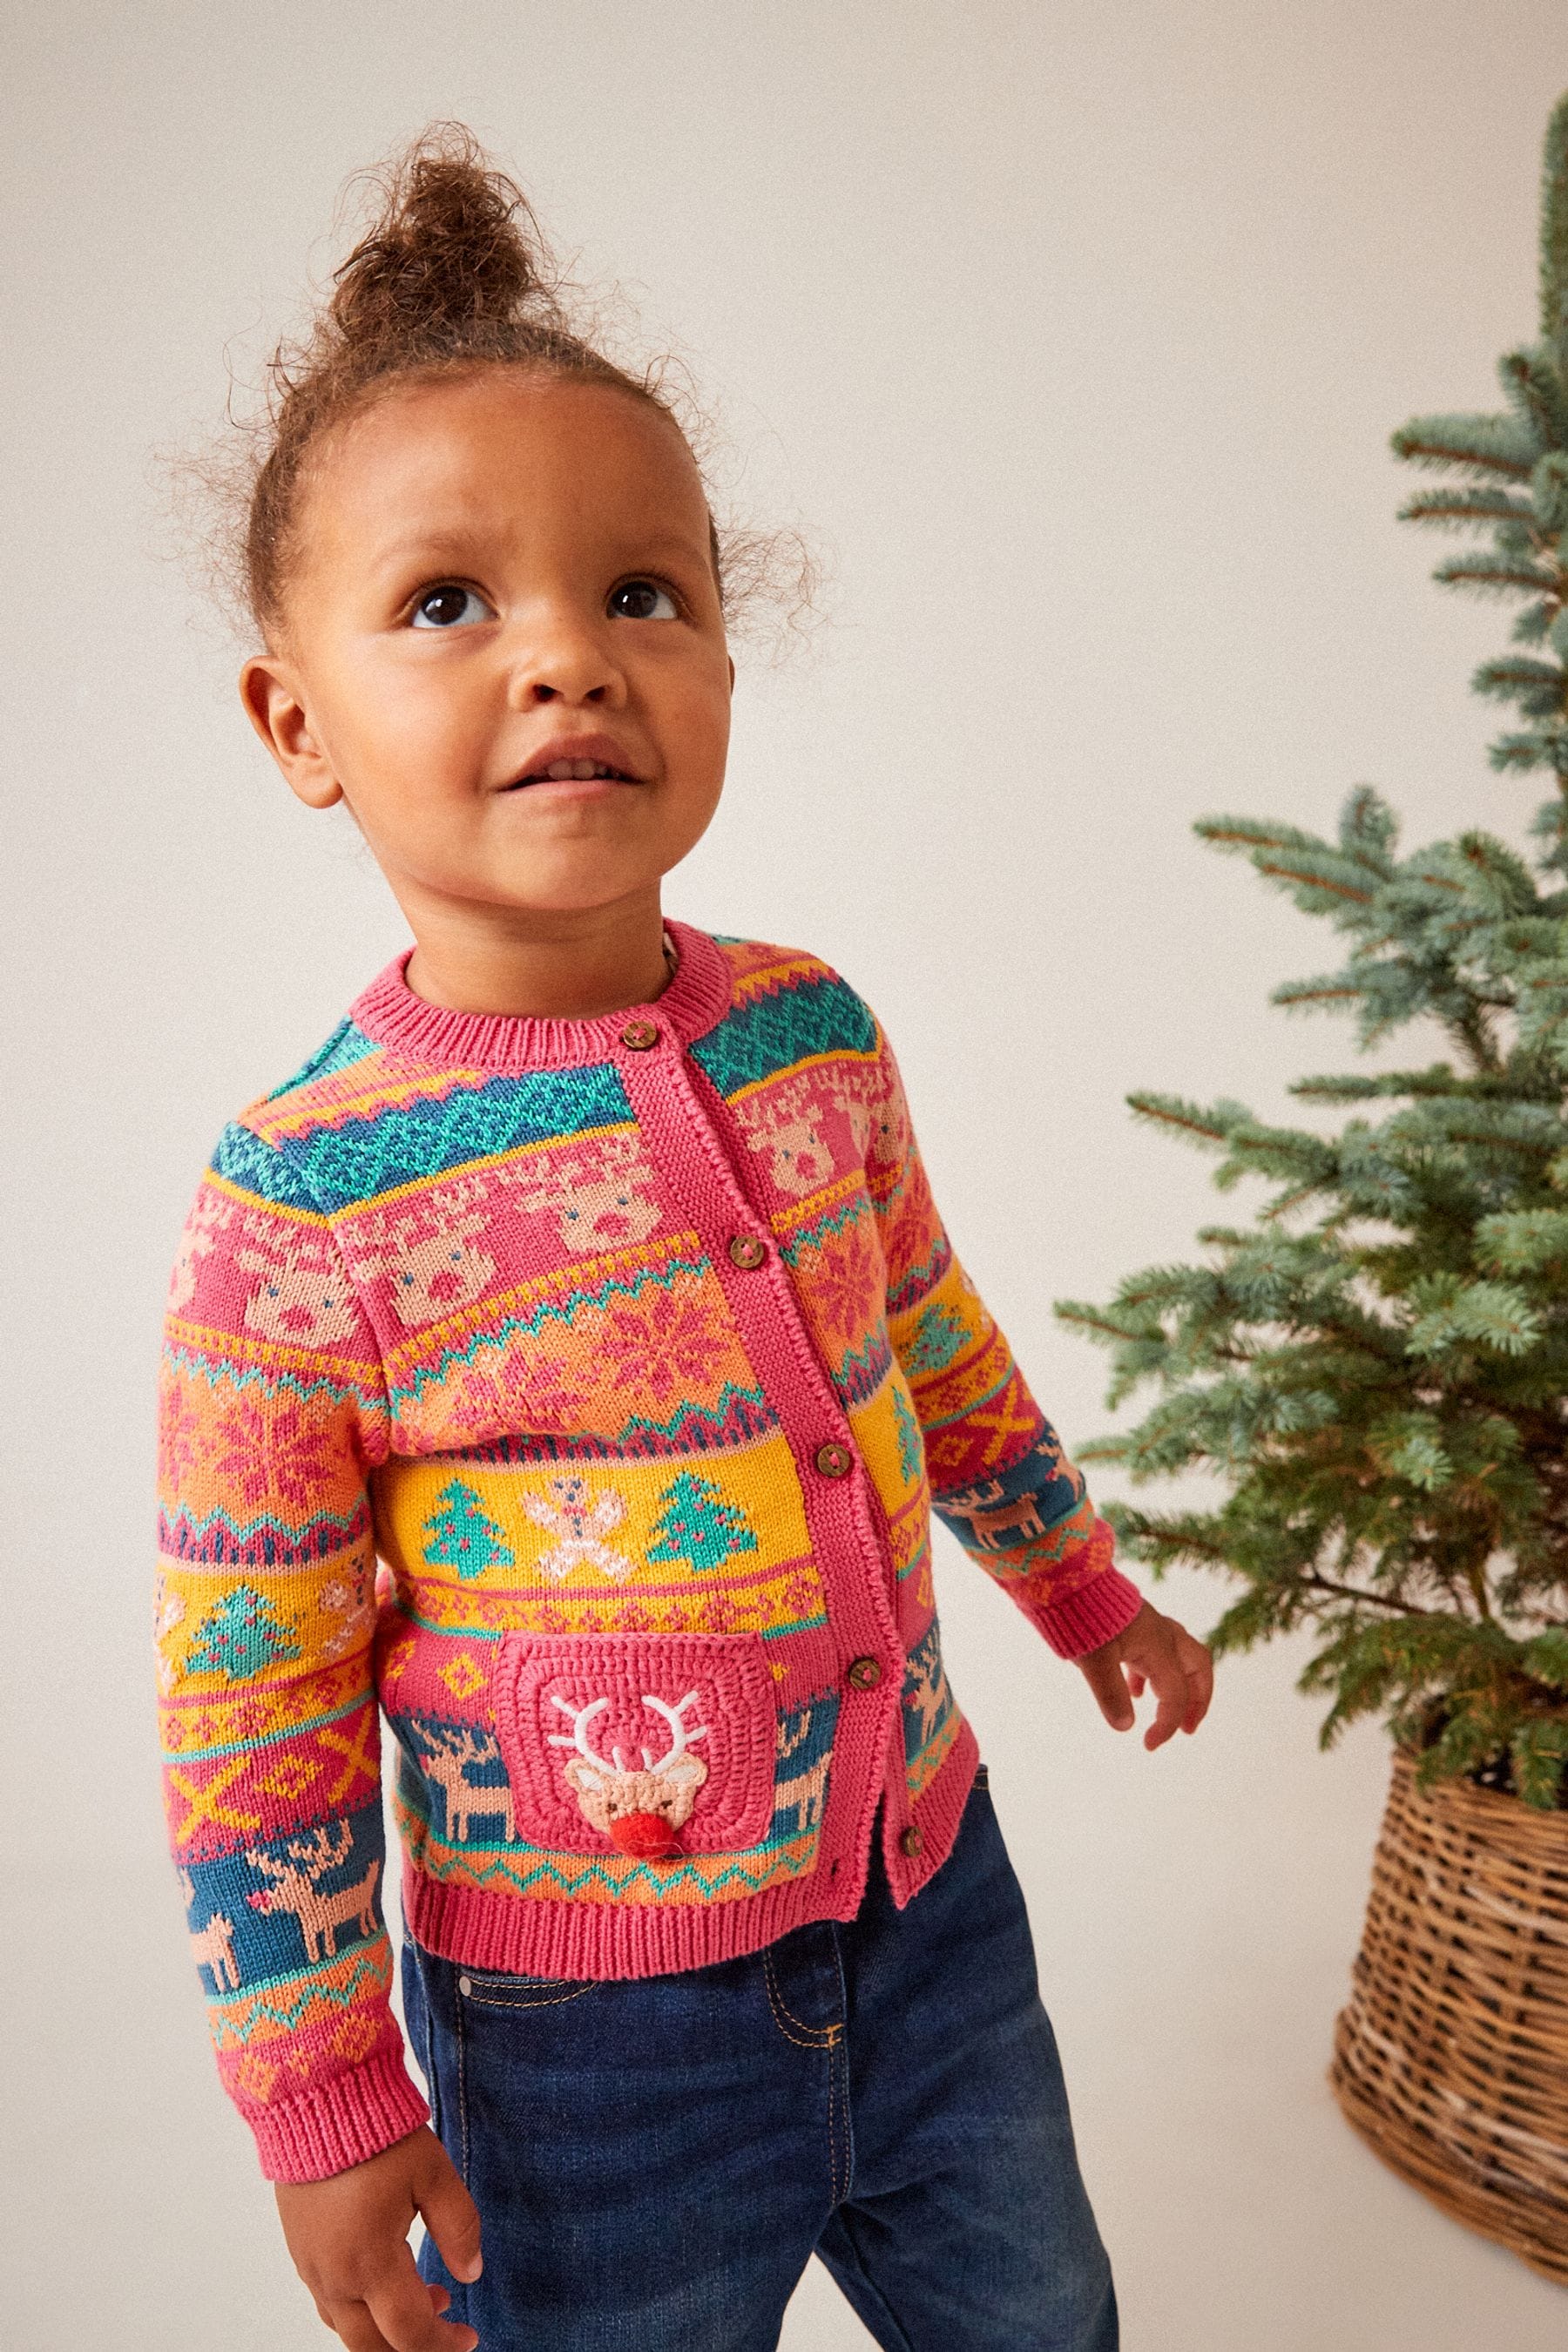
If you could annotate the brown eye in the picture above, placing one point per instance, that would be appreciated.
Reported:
(449, 607)
(640, 600)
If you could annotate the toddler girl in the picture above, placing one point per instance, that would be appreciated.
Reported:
(588, 1278)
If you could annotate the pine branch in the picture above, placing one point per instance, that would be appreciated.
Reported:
(1478, 445)
(1554, 234)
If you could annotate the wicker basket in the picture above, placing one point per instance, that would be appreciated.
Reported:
(1451, 2056)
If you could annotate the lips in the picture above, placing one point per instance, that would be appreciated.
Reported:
(579, 758)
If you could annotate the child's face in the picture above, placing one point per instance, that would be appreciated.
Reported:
(495, 574)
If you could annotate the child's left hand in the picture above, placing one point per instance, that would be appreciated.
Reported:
(1157, 1651)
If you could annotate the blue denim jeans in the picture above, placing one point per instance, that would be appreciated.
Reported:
(655, 2159)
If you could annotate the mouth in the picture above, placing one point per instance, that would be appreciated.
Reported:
(589, 759)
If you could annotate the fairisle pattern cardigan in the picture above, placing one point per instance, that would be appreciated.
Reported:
(635, 1348)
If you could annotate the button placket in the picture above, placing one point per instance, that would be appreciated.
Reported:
(670, 1099)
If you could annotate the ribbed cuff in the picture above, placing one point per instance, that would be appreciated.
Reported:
(353, 2116)
(1084, 1620)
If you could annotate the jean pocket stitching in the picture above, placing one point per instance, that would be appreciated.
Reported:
(528, 1995)
(806, 2037)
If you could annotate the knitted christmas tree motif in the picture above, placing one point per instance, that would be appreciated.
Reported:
(695, 1524)
(939, 1335)
(462, 1536)
(240, 1636)
(911, 1447)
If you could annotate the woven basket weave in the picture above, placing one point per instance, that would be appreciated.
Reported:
(1451, 2056)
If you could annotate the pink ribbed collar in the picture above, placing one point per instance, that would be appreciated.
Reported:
(389, 1012)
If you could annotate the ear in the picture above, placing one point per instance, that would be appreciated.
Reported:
(273, 694)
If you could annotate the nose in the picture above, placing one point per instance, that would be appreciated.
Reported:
(562, 658)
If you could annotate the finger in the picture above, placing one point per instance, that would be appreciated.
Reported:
(1136, 1679)
(358, 2330)
(1106, 1680)
(1198, 1665)
(1172, 1696)
(450, 2215)
(401, 2309)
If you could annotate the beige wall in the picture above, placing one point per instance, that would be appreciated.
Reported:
(1078, 330)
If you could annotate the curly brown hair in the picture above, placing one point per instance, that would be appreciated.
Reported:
(454, 273)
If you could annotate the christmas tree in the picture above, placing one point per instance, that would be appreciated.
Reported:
(1376, 1367)
(461, 1536)
(241, 1636)
(697, 1524)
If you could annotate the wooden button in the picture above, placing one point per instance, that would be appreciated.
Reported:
(864, 1673)
(835, 1461)
(911, 1840)
(639, 1035)
(747, 1252)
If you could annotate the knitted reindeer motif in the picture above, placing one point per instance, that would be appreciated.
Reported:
(803, 1792)
(992, 1517)
(784, 1123)
(303, 1295)
(296, 1887)
(446, 1755)
(879, 1121)
(210, 1212)
(212, 1947)
(599, 1207)
(639, 1811)
(423, 1249)
(926, 1695)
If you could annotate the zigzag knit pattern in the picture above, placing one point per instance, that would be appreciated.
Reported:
(573, 1396)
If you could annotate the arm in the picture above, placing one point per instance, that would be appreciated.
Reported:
(999, 1478)
(271, 1412)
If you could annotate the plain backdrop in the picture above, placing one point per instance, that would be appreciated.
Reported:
(1072, 335)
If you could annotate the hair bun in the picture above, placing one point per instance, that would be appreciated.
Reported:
(455, 247)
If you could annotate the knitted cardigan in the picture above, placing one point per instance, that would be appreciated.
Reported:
(636, 1350)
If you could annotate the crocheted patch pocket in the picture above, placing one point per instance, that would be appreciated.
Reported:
(654, 1744)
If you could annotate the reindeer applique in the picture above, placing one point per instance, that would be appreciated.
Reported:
(601, 1207)
(578, 1519)
(212, 1947)
(425, 1249)
(296, 1887)
(640, 1811)
(446, 1754)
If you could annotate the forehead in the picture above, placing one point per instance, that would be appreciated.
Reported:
(505, 450)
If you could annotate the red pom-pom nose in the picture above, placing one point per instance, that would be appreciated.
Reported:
(648, 1837)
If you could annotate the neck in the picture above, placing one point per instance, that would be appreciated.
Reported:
(548, 966)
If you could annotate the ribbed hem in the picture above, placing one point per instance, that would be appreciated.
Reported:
(1084, 1620)
(535, 1936)
(353, 2116)
(389, 1014)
